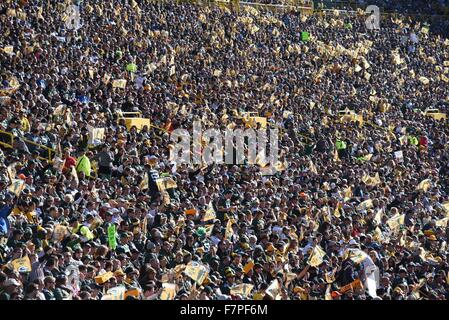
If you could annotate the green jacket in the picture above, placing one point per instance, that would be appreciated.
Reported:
(83, 165)
(413, 140)
(61, 294)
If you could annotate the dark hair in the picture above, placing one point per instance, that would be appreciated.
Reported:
(60, 279)
(37, 281)
(83, 294)
(31, 288)
(51, 261)
(3, 277)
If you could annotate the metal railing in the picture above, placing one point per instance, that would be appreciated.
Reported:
(45, 153)
(6, 139)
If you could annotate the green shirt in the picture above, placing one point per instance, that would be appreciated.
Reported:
(61, 294)
(341, 145)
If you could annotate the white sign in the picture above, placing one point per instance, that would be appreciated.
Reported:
(399, 155)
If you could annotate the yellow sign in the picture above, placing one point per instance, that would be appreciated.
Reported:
(243, 289)
(165, 183)
(377, 234)
(347, 115)
(229, 231)
(8, 49)
(316, 257)
(357, 255)
(196, 271)
(144, 183)
(337, 211)
(254, 121)
(274, 290)
(312, 167)
(106, 78)
(357, 284)
(251, 120)
(139, 123)
(371, 181)
(60, 110)
(168, 291)
(424, 80)
(435, 114)
(104, 277)
(442, 222)
(190, 211)
(120, 83)
(396, 221)
(210, 213)
(327, 294)
(367, 204)
(11, 170)
(179, 268)
(116, 293)
(249, 266)
(16, 186)
(22, 264)
(96, 135)
(132, 292)
(378, 216)
(424, 185)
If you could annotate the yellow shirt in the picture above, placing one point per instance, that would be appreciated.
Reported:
(16, 211)
(30, 215)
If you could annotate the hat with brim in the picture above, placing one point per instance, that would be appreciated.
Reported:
(11, 282)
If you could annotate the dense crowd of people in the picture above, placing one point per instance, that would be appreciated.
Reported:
(358, 209)
(432, 7)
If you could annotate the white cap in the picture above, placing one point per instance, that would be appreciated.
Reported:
(11, 282)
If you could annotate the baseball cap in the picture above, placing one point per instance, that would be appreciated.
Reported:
(11, 282)
(229, 273)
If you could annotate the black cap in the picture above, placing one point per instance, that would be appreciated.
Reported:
(129, 270)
